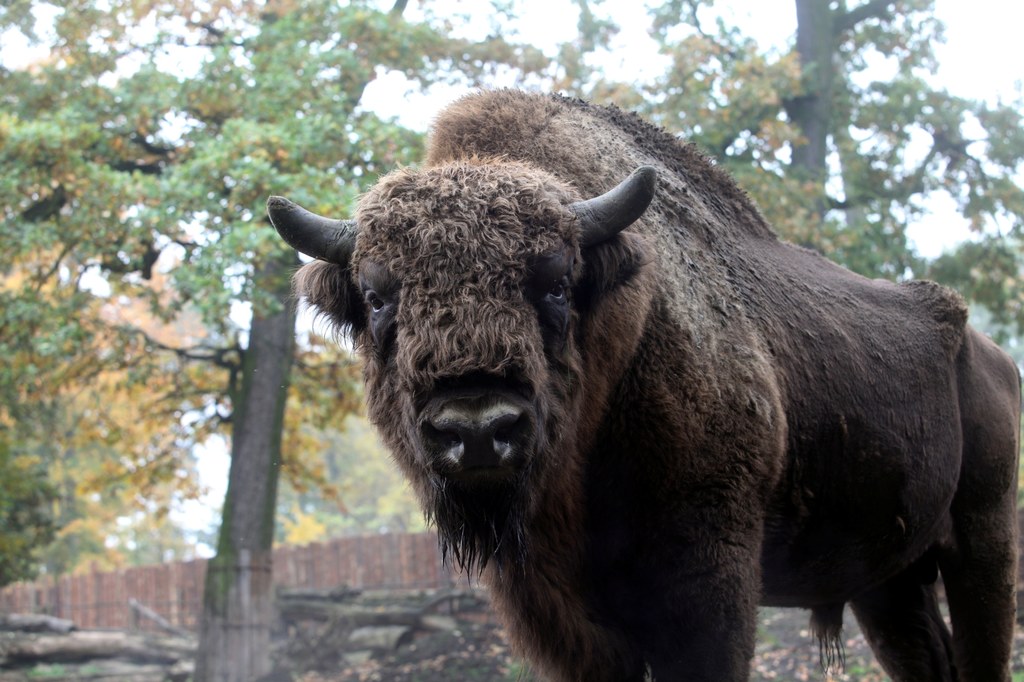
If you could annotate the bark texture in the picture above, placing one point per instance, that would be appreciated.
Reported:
(238, 599)
(820, 29)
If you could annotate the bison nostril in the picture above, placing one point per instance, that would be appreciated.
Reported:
(443, 442)
(442, 434)
(508, 426)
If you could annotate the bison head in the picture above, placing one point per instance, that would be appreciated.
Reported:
(463, 286)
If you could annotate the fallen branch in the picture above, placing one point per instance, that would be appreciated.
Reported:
(141, 610)
(421, 616)
(84, 645)
(336, 594)
(34, 622)
(347, 614)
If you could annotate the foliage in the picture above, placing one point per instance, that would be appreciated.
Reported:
(25, 521)
(988, 270)
(369, 494)
(137, 155)
(892, 139)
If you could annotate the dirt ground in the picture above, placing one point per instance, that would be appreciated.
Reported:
(390, 636)
(478, 651)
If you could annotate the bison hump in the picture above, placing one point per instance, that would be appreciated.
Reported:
(946, 307)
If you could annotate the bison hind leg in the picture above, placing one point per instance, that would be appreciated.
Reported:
(902, 623)
(826, 627)
(979, 562)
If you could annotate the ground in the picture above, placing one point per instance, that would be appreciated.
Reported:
(389, 636)
(478, 651)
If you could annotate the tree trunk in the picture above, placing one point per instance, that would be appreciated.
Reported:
(812, 111)
(238, 601)
(819, 30)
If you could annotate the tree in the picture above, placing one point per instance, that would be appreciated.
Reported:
(25, 523)
(118, 169)
(842, 139)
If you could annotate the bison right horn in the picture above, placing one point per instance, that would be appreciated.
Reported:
(311, 234)
(603, 217)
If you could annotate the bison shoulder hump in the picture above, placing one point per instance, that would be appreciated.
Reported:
(945, 306)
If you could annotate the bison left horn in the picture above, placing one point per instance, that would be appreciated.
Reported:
(311, 234)
(603, 217)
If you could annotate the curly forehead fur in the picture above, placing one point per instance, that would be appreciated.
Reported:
(463, 234)
(466, 213)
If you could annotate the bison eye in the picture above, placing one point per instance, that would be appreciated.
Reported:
(375, 301)
(547, 287)
(556, 293)
(381, 294)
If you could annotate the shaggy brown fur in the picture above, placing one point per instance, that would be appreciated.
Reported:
(718, 418)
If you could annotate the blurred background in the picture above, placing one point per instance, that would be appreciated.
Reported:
(140, 282)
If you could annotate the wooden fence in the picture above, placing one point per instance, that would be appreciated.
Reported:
(100, 599)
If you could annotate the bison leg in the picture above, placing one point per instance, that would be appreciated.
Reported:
(701, 626)
(902, 623)
(979, 579)
(979, 565)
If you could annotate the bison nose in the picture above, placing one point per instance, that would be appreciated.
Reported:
(465, 435)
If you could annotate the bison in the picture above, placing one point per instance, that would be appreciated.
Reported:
(638, 413)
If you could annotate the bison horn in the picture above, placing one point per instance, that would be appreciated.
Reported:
(603, 217)
(313, 235)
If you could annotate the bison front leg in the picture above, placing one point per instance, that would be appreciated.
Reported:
(692, 609)
(709, 623)
(561, 638)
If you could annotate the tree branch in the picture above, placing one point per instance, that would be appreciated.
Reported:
(47, 207)
(693, 5)
(42, 277)
(158, 150)
(873, 9)
(755, 117)
(153, 163)
(142, 264)
(912, 183)
(229, 358)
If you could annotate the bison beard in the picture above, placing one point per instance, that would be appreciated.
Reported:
(727, 418)
(478, 523)
(484, 521)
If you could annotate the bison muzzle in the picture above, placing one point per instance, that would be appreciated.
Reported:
(638, 413)
(477, 433)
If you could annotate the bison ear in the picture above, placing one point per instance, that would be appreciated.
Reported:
(603, 217)
(330, 290)
(306, 232)
(616, 263)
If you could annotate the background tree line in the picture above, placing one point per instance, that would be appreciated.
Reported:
(144, 305)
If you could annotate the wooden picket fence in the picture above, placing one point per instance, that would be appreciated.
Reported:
(101, 599)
